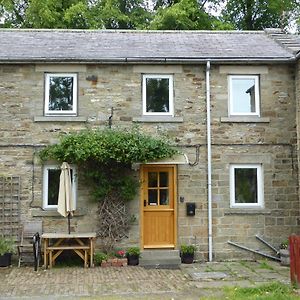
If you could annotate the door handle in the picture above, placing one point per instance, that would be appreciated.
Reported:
(145, 203)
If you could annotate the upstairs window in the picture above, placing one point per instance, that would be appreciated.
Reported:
(51, 176)
(244, 95)
(158, 95)
(61, 94)
(246, 185)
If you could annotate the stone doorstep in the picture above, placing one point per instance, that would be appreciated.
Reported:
(146, 254)
(159, 259)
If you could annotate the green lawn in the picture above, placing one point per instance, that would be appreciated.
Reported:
(272, 291)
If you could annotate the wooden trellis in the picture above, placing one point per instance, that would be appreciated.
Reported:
(113, 221)
(9, 206)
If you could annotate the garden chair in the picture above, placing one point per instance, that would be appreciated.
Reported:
(25, 249)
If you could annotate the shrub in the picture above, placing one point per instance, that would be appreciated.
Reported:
(187, 249)
(133, 251)
(6, 246)
(99, 257)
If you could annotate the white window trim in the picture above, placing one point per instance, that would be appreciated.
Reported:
(257, 95)
(45, 184)
(47, 89)
(260, 186)
(171, 92)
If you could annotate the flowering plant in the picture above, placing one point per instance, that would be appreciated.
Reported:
(120, 253)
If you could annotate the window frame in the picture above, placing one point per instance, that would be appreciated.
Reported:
(48, 112)
(257, 95)
(171, 94)
(47, 167)
(260, 186)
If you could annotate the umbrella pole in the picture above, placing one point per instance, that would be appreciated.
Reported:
(69, 223)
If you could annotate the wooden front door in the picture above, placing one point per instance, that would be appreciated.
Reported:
(158, 207)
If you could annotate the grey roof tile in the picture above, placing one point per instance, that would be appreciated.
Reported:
(101, 46)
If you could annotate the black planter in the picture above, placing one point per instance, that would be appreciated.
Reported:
(5, 260)
(132, 260)
(187, 258)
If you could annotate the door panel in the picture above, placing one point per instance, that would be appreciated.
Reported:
(158, 207)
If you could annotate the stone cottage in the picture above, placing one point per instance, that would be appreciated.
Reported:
(231, 105)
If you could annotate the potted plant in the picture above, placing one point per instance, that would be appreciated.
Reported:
(133, 254)
(99, 257)
(7, 248)
(187, 253)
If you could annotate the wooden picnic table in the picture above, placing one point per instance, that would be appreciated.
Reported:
(81, 243)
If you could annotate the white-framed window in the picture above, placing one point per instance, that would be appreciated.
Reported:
(51, 175)
(60, 94)
(246, 185)
(244, 95)
(158, 95)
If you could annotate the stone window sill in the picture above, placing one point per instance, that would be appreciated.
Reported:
(59, 119)
(158, 119)
(245, 119)
(247, 211)
(54, 213)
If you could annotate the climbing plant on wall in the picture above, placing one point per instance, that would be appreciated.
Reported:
(104, 158)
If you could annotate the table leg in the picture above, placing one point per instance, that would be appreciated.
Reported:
(91, 252)
(50, 258)
(46, 242)
(85, 258)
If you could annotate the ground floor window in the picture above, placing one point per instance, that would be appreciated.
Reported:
(246, 185)
(51, 175)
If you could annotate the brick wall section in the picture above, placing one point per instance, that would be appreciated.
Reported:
(272, 143)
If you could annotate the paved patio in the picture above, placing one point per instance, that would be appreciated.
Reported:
(190, 282)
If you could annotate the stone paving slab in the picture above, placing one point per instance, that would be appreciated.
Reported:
(207, 275)
(116, 283)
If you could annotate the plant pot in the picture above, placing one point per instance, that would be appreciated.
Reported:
(5, 260)
(187, 258)
(132, 260)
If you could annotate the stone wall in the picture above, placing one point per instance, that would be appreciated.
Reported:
(270, 140)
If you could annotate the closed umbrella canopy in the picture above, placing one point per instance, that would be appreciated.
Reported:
(66, 203)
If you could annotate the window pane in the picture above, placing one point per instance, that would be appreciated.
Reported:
(157, 95)
(245, 185)
(61, 93)
(152, 197)
(53, 186)
(243, 95)
(164, 197)
(163, 179)
(152, 179)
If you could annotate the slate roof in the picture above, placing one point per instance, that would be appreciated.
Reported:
(17, 45)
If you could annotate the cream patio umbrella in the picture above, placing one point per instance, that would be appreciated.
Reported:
(66, 202)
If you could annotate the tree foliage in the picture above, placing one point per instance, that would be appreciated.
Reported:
(260, 14)
(161, 14)
(183, 15)
(78, 14)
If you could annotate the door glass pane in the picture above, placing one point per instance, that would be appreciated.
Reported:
(152, 197)
(163, 179)
(245, 185)
(152, 179)
(164, 197)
